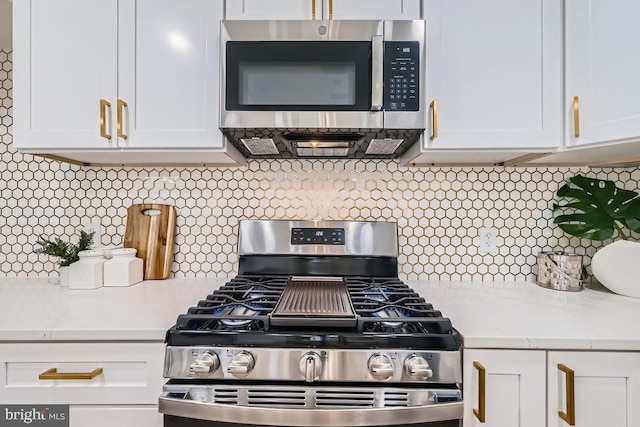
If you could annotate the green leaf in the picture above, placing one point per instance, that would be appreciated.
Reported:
(67, 252)
(595, 209)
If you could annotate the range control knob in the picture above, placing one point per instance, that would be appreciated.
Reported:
(310, 366)
(417, 367)
(380, 367)
(241, 364)
(205, 364)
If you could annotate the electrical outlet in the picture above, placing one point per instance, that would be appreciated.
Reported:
(488, 243)
(88, 227)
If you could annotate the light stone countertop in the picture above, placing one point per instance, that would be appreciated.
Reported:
(487, 314)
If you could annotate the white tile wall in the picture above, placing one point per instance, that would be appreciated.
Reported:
(439, 210)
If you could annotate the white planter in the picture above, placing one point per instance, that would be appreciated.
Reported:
(64, 276)
(617, 267)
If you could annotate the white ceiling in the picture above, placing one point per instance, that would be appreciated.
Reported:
(5, 24)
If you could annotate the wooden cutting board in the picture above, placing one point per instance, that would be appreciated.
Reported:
(151, 229)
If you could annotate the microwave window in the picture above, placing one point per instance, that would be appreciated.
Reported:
(297, 76)
(291, 83)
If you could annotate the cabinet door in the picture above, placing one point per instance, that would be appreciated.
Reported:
(319, 9)
(606, 388)
(273, 9)
(65, 61)
(371, 9)
(514, 388)
(168, 72)
(495, 69)
(602, 69)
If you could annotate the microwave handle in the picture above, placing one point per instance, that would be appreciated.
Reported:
(377, 57)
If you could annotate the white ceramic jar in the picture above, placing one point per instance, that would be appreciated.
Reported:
(124, 268)
(87, 273)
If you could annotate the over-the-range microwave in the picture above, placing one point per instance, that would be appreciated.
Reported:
(329, 89)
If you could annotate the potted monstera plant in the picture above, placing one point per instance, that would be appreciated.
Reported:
(66, 251)
(597, 209)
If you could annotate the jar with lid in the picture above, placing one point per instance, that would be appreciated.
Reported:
(124, 268)
(87, 273)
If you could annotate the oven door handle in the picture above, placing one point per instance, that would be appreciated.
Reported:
(377, 71)
(182, 406)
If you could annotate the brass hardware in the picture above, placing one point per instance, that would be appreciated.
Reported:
(53, 374)
(104, 104)
(121, 106)
(480, 413)
(570, 394)
(576, 116)
(313, 9)
(434, 119)
(330, 10)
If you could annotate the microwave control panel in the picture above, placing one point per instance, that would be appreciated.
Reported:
(401, 76)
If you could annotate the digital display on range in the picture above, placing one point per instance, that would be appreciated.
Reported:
(317, 236)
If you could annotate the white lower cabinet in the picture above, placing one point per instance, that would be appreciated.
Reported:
(537, 388)
(605, 389)
(504, 388)
(105, 384)
(110, 416)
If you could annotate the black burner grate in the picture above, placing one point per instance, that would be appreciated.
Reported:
(388, 313)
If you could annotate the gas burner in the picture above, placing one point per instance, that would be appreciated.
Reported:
(392, 313)
(377, 294)
(230, 312)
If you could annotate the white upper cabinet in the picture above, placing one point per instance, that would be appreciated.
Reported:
(605, 389)
(494, 74)
(323, 9)
(602, 71)
(117, 74)
(169, 73)
(504, 388)
(65, 62)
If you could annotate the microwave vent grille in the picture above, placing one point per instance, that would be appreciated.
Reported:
(383, 146)
(260, 146)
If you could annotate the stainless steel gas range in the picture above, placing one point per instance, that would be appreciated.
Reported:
(316, 330)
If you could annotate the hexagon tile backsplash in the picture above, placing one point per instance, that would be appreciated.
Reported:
(439, 210)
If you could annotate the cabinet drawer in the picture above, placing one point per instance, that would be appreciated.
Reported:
(131, 373)
(109, 416)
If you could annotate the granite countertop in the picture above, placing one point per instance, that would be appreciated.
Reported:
(516, 315)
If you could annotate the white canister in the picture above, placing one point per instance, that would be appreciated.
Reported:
(124, 268)
(87, 273)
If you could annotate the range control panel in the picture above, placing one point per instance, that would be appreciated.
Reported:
(317, 236)
(401, 82)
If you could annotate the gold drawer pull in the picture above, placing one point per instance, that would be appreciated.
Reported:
(576, 116)
(53, 374)
(104, 105)
(570, 395)
(121, 106)
(480, 413)
(434, 119)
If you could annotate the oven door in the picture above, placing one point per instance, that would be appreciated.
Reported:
(227, 405)
(302, 74)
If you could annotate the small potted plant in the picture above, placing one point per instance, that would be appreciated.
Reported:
(597, 209)
(67, 252)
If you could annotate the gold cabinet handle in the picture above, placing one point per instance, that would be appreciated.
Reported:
(570, 395)
(434, 119)
(53, 374)
(576, 116)
(104, 104)
(330, 10)
(313, 9)
(480, 413)
(121, 106)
